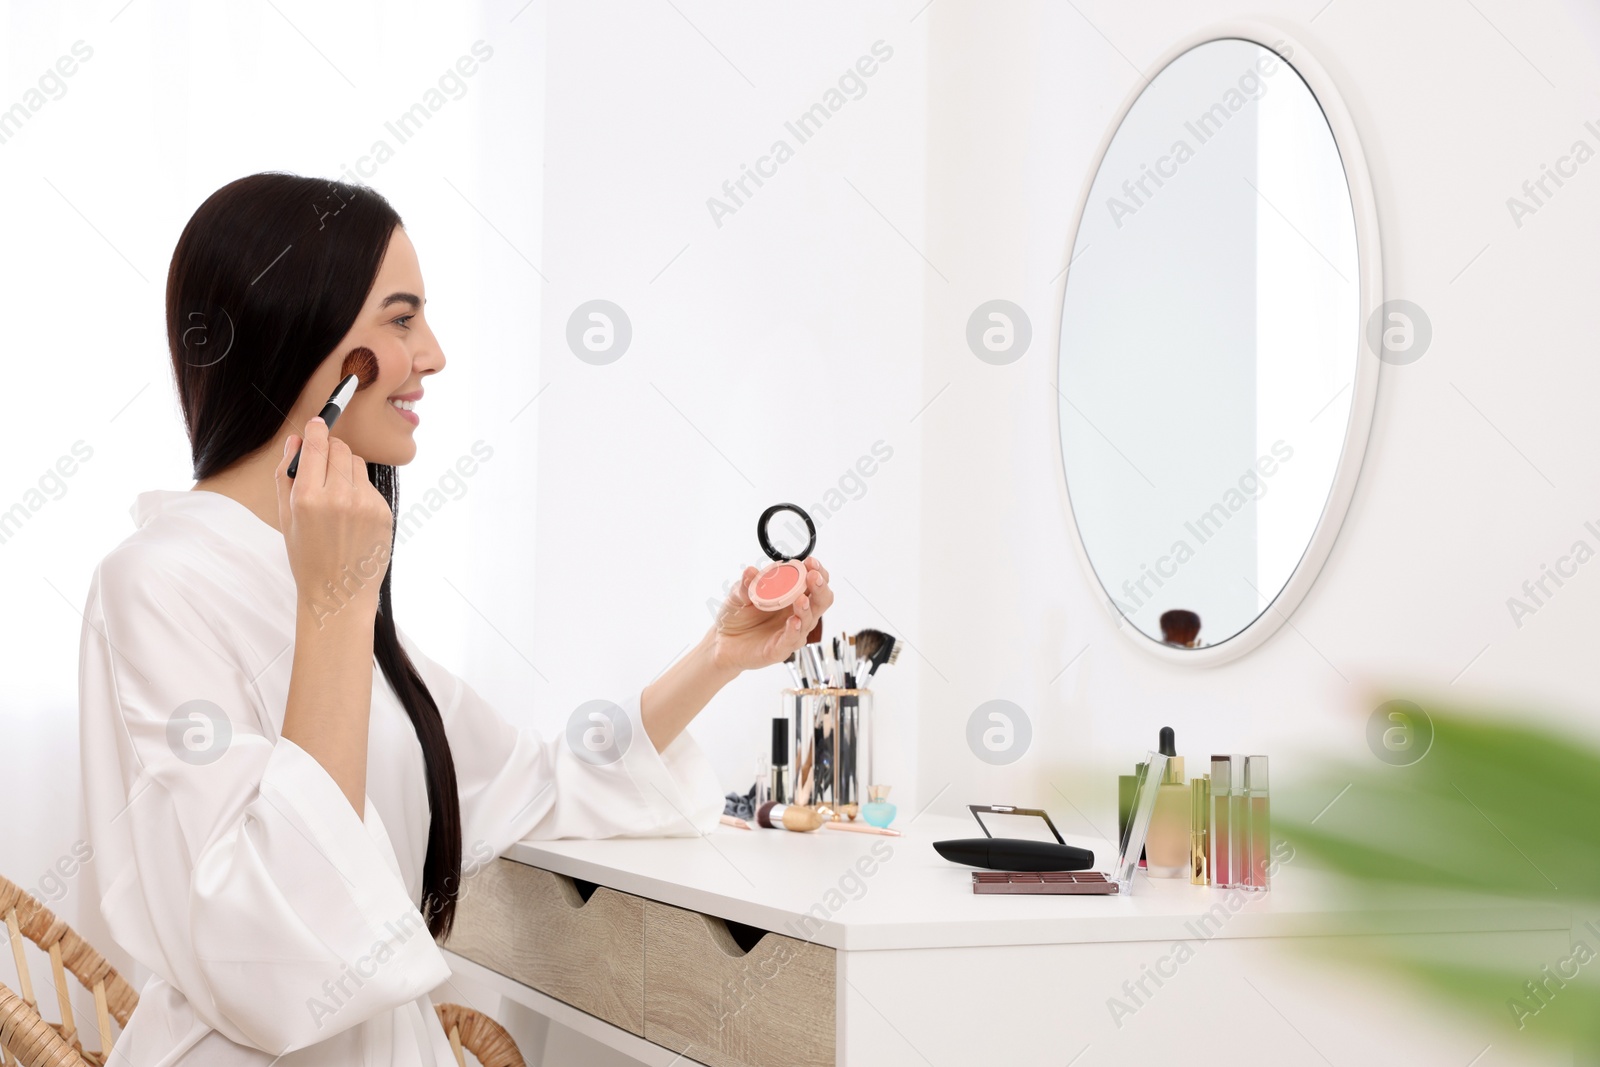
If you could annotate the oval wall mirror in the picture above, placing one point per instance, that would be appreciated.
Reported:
(1215, 391)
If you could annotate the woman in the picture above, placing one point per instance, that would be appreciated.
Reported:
(281, 788)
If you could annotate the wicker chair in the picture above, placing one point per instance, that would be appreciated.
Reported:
(26, 1037)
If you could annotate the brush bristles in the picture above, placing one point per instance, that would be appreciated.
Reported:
(361, 362)
(868, 642)
(894, 653)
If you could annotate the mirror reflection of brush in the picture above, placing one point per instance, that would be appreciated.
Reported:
(873, 649)
(359, 370)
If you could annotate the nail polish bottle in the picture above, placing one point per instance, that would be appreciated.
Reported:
(1167, 845)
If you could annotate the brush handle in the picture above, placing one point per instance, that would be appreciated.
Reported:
(861, 828)
(329, 414)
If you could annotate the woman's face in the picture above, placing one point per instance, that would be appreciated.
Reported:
(393, 325)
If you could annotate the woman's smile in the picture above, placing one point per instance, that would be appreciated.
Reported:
(403, 403)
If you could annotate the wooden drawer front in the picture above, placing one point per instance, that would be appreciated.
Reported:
(534, 926)
(707, 998)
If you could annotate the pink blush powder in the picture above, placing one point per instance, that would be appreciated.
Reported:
(778, 586)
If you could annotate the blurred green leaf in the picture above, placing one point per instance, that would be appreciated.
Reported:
(1497, 806)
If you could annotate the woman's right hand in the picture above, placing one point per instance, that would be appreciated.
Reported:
(337, 527)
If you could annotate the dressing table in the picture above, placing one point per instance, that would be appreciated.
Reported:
(768, 947)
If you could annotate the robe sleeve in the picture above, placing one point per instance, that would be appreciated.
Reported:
(514, 784)
(228, 860)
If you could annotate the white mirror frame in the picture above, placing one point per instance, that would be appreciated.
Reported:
(1369, 265)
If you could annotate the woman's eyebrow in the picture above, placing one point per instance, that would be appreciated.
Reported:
(401, 298)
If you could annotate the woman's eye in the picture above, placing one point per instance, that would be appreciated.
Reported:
(402, 320)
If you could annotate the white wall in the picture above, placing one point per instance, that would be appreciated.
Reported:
(1450, 516)
(770, 353)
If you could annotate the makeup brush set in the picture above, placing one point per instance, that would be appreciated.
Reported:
(826, 722)
(848, 661)
(822, 740)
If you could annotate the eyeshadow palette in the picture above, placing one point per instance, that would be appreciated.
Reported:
(1042, 882)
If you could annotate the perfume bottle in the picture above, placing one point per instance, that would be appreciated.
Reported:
(1167, 846)
(877, 811)
(1259, 836)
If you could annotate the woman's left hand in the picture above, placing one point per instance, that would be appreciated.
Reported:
(745, 637)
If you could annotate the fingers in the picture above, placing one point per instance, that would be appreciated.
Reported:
(803, 616)
(282, 480)
(739, 595)
(814, 564)
(340, 472)
(821, 600)
(314, 453)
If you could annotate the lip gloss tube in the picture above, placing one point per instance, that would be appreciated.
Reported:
(1221, 831)
(1260, 832)
(1199, 816)
(1238, 825)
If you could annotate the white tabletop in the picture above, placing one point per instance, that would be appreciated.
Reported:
(913, 898)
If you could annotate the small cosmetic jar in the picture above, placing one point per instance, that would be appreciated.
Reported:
(783, 580)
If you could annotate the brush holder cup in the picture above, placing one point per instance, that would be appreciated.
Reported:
(832, 753)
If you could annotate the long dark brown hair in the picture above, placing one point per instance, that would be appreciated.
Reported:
(267, 278)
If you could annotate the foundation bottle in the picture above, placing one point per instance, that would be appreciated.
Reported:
(1167, 845)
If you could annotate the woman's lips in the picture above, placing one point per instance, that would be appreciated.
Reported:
(409, 416)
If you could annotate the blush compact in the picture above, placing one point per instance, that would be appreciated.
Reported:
(781, 582)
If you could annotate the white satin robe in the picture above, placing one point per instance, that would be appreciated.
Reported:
(279, 925)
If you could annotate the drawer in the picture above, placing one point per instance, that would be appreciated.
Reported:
(535, 927)
(736, 997)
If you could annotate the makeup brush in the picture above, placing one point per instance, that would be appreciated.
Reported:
(788, 817)
(359, 370)
(867, 644)
(875, 648)
(811, 664)
(793, 663)
(859, 828)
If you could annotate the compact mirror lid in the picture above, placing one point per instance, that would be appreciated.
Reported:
(786, 532)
